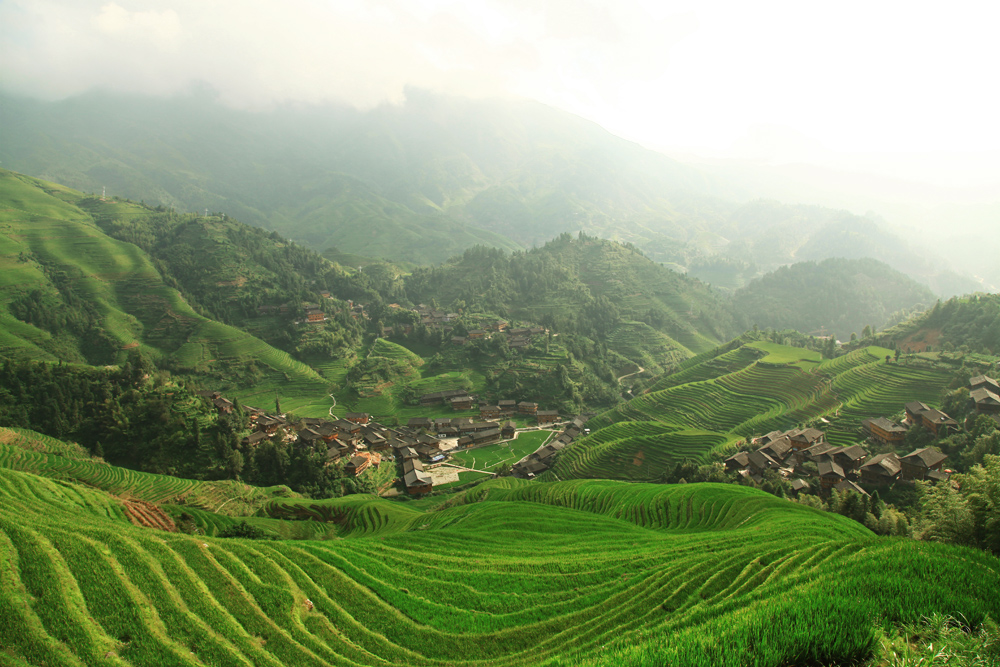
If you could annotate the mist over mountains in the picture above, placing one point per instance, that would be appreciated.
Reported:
(425, 180)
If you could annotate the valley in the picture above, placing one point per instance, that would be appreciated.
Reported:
(220, 447)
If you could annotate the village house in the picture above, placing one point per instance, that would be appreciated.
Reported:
(923, 464)
(357, 417)
(489, 412)
(937, 422)
(476, 334)
(848, 485)
(507, 407)
(419, 423)
(802, 438)
(461, 403)
(357, 465)
(830, 474)
(759, 462)
(738, 461)
(416, 480)
(254, 439)
(985, 400)
(984, 382)
(547, 416)
(527, 408)
(881, 470)
(508, 430)
(884, 431)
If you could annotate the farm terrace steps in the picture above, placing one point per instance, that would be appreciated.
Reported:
(505, 574)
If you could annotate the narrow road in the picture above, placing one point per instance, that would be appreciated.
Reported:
(641, 369)
(330, 413)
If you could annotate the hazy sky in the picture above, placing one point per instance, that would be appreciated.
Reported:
(788, 80)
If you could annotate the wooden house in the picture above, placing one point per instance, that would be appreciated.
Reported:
(881, 470)
(507, 407)
(547, 416)
(986, 401)
(461, 403)
(489, 412)
(884, 431)
(527, 408)
(357, 417)
(508, 430)
(919, 463)
(830, 474)
(357, 465)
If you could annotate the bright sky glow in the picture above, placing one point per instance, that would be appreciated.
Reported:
(773, 79)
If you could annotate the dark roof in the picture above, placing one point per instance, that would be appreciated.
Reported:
(762, 461)
(924, 458)
(829, 468)
(848, 485)
(739, 458)
(937, 417)
(883, 464)
(984, 395)
(777, 449)
(886, 424)
(916, 407)
(799, 484)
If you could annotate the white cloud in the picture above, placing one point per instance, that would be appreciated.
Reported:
(853, 76)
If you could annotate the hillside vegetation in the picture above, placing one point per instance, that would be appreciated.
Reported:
(743, 389)
(71, 293)
(647, 575)
(427, 179)
(836, 297)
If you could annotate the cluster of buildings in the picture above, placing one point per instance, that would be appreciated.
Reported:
(852, 468)
(461, 400)
(542, 459)
(788, 453)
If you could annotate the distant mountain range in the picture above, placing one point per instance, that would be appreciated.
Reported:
(423, 181)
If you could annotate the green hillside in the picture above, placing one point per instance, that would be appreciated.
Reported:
(744, 390)
(835, 297)
(72, 293)
(509, 574)
(584, 284)
(427, 179)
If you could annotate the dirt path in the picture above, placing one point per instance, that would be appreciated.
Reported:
(641, 369)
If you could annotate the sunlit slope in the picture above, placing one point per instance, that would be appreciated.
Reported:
(744, 391)
(54, 255)
(512, 575)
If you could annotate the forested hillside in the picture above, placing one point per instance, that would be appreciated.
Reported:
(837, 297)
(425, 180)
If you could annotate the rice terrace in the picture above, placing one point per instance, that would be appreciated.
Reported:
(308, 359)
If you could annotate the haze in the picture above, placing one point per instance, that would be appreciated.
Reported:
(901, 89)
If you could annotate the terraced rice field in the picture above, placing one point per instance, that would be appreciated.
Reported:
(507, 574)
(639, 451)
(232, 497)
(740, 393)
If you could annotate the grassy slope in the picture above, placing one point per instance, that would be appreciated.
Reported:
(709, 405)
(41, 225)
(645, 574)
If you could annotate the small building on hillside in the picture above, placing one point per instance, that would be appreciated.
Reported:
(527, 408)
(357, 465)
(489, 412)
(881, 470)
(920, 463)
(830, 474)
(507, 407)
(985, 401)
(937, 422)
(461, 402)
(357, 417)
(547, 416)
(984, 382)
(884, 431)
(807, 437)
(508, 430)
